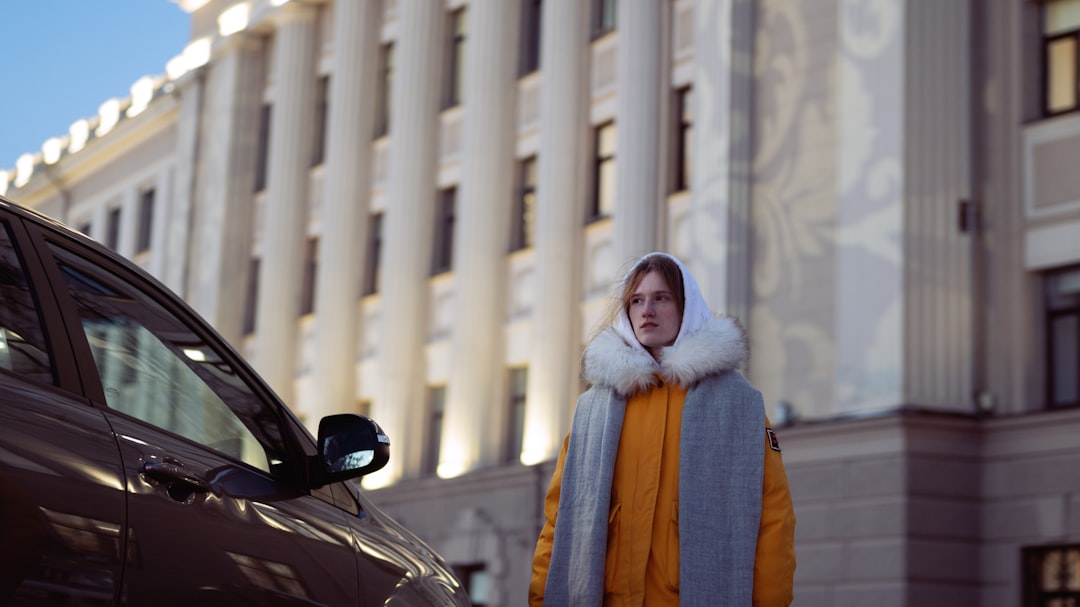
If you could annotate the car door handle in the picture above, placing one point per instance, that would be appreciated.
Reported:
(180, 485)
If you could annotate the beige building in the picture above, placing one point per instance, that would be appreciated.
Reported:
(416, 209)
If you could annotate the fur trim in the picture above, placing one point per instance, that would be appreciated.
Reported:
(720, 345)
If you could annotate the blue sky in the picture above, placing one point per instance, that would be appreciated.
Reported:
(63, 58)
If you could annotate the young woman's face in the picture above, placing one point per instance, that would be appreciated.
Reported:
(654, 313)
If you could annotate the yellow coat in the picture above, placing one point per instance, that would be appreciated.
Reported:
(642, 566)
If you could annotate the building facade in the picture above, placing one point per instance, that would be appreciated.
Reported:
(418, 209)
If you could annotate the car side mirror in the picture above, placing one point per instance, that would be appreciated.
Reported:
(349, 446)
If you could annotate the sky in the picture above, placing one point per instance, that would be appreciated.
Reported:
(63, 58)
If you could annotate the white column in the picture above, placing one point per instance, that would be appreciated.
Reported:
(129, 208)
(346, 192)
(165, 191)
(222, 231)
(637, 124)
(99, 220)
(409, 223)
(482, 228)
(556, 335)
(180, 200)
(904, 300)
(292, 118)
(869, 275)
(723, 152)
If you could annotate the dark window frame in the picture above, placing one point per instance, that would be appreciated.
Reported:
(1048, 42)
(523, 235)
(251, 297)
(436, 411)
(516, 394)
(146, 220)
(601, 162)
(442, 253)
(386, 84)
(322, 114)
(262, 149)
(605, 16)
(1033, 559)
(310, 276)
(370, 284)
(531, 26)
(1056, 312)
(454, 79)
(113, 222)
(683, 129)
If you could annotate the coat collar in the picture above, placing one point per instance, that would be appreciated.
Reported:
(718, 346)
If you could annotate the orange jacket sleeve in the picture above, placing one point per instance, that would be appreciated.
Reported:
(774, 565)
(542, 555)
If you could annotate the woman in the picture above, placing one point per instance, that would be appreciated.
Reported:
(670, 488)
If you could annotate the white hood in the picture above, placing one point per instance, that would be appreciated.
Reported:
(704, 346)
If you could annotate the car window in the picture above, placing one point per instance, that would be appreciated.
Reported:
(22, 339)
(155, 368)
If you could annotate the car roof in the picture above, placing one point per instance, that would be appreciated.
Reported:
(41, 218)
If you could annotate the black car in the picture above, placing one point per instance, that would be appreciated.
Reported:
(143, 462)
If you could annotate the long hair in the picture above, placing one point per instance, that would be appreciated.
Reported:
(654, 262)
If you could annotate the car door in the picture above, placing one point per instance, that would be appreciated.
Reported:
(61, 483)
(216, 509)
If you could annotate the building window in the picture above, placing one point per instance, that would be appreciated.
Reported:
(603, 17)
(386, 88)
(262, 152)
(477, 582)
(146, 220)
(530, 37)
(443, 253)
(525, 206)
(371, 272)
(515, 415)
(322, 109)
(1063, 337)
(436, 409)
(251, 297)
(455, 56)
(684, 152)
(386, 85)
(1051, 576)
(112, 228)
(311, 272)
(602, 200)
(1061, 56)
